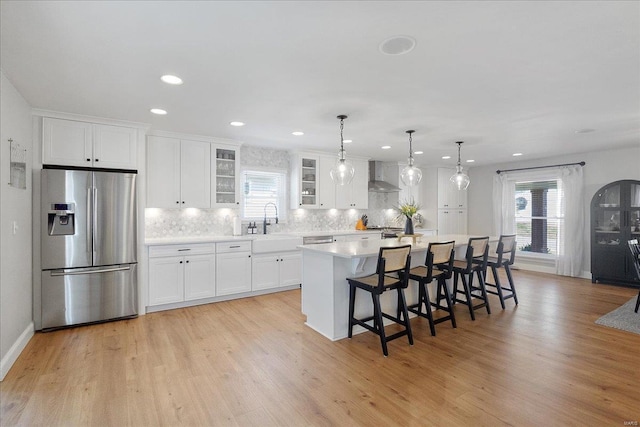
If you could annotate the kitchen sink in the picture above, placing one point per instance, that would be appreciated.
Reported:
(275, 243)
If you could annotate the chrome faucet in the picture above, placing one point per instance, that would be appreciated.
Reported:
(265, 222)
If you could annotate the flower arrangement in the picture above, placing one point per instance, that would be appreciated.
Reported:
(407, 209)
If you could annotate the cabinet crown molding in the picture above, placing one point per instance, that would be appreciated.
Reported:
(89, 119)
(201, 138)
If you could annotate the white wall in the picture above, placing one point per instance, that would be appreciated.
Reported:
(602, 168)
(16, 326)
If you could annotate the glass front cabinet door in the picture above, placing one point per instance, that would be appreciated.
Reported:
(304, 186)
(615, 219)
(226, 164)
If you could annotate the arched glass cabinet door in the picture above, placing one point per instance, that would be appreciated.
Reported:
(607, 215)
(634, 210)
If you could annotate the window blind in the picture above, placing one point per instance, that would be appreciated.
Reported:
(260, 188)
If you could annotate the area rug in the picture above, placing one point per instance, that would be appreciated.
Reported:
(623, 318)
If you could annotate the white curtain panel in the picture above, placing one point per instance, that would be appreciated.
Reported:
(570, 233)
(571, 245)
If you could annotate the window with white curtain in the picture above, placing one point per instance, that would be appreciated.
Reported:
(545, 209)
(260, 187)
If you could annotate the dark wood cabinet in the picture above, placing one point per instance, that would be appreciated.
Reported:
(615, 219)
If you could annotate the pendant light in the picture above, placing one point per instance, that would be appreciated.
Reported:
(460, 179)
(343, 171)
(410, 174)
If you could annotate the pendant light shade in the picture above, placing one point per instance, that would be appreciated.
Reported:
(343, 171)
(410, 174)
(460, 179)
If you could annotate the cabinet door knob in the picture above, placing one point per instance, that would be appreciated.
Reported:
(97, 160)
(177, 202)
(183, 202)
(88, 160)
(249, 256)
(187, 261)
(180, 262)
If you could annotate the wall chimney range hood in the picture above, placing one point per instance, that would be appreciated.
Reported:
(377, 183)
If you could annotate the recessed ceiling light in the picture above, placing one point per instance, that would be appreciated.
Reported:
(397, 45)
(172, 80)
(385, 147)
(516, 154)
(347, 141)
(297, 133)
(236, 123)
(158, 111)
(418, 152)
(470, 161)
(587, 130)
(446, 157)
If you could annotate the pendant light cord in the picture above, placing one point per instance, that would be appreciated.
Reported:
(341, 117)
(410, 132)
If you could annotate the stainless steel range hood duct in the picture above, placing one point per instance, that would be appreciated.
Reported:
(376, 179)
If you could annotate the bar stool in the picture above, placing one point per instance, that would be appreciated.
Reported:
(506, 255)
(390, 260)
(475, 262)
(440, 256)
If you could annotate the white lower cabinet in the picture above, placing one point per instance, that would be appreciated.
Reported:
(276, 270)
(199, 277)
(166, 280)
(180, 273)
(233, 272)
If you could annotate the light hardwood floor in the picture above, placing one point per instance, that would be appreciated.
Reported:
(253, 362)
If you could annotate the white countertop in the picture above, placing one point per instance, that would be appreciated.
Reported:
(367, 248)
(183, 240)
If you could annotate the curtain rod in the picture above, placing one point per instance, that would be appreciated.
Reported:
(540, 167)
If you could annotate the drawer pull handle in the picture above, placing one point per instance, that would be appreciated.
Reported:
(235, 246)
(182, 250)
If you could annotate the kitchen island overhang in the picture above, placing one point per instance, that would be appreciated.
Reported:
(326, 267)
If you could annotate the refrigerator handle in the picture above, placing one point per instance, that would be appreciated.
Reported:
(89, 215)
(75, 273)
(94, 220)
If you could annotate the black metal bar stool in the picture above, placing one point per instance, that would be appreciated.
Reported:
(440, 259)
(396, 261)
(475, 262)
(505, 256)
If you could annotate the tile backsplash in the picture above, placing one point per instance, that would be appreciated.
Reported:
(193, 222)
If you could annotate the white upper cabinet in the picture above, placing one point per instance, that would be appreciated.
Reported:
(449, 197)
(313, 188)
(356, 194)
(178, 173)
(84, 144)
(195, 174)
(326, 186)
(225, 176)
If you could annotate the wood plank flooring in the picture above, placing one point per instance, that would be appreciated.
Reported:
(253, 362)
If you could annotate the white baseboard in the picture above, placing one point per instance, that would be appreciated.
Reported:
(12, 355)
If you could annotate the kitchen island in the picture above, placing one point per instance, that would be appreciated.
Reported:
(325, 290)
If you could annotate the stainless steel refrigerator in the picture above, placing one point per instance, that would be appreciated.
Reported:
(88, 247)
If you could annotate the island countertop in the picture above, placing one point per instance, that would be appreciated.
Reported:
(361, 249)
(326, 267)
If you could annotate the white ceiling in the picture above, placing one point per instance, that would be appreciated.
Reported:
(504, 77)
